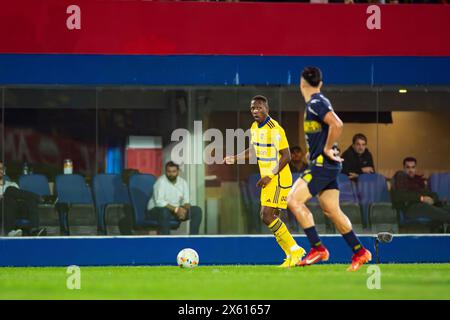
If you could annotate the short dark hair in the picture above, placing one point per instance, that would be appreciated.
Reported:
(359, 136)
(312, 75)
(261, 98)
(409, 159)
(172, 164)
(296, 149)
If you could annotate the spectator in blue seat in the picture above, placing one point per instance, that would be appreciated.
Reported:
(357, 158)
(18, 204)
(171, 199)
(411, 195)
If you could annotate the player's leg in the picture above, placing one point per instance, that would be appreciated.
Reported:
(297, 198)
(195, 215)
(293, 251)
(329, 202)
(284, 246)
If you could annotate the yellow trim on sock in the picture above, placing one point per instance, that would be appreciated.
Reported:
(284, 234)
(273, 223)
(277, 225)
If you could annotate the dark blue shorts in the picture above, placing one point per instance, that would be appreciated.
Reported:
(321, 178)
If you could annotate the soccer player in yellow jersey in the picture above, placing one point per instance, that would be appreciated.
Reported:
(271, 148)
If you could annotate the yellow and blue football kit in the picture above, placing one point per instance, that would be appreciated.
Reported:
(268, 138)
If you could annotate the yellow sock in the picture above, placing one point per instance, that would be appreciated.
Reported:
(283, 246)
(283, 236)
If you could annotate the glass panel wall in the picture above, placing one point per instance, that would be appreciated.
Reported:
(53, 131)
(44, 128)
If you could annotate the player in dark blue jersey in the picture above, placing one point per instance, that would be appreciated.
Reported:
(322, 129)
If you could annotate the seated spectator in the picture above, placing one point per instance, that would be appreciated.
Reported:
(18, 204)
(298, 162)
(410, 194)
(357, 158)
(171, 199)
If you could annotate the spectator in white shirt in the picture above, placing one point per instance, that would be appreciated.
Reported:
(170, 201)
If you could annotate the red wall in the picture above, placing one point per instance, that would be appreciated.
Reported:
(142, 27)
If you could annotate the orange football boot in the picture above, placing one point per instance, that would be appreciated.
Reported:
(361, 257)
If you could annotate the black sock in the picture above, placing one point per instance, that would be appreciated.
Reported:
(353, 241)
(313, 237)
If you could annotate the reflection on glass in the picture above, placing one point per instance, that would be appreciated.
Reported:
(96, 139)
(43, 127)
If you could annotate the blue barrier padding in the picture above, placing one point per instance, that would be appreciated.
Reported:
(153, 250)
(94, 69)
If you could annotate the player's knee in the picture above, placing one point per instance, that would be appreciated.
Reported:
(267, 216)
(291, 205)
(327, 214)
(332, 213)
(294, 203)
(329, 210)
(291, 201)
(261, 215)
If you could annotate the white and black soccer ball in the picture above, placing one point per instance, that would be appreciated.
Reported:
(187, 258)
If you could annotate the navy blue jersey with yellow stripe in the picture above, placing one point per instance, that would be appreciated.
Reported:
(316, 130)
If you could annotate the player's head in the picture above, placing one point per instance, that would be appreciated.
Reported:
(172, 170)
(259, 107)
(359, 143)
(311, 78)
(296, 153)
(410, 166)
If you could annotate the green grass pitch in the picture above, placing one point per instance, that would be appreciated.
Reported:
(402, 281)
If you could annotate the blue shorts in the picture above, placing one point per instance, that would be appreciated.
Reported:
(320, 178)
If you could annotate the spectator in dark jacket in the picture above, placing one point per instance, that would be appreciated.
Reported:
(357, 158)
(411, 195)
(18, 204)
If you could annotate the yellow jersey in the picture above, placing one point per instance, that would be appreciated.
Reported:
(268, 138)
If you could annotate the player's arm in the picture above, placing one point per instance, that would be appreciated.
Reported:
(244, 155)
(335, 129)
(285, 158)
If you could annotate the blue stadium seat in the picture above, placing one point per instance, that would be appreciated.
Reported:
(48, 217)
(372, 189)
(111, 197)
(440, 183)
(72, 189)
(81, 217)
(36, 183)
(347, 192)
(140, 187)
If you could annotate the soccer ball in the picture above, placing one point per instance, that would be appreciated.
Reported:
(187, 258)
